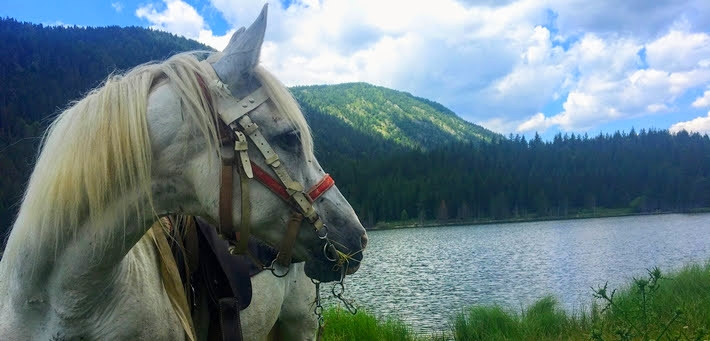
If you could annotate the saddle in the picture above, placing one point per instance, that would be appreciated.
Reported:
(203, 259)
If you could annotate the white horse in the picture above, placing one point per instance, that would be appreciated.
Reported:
(281, 307)
(80, 263)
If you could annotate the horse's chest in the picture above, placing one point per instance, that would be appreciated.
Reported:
(142, 306)
(136, 307)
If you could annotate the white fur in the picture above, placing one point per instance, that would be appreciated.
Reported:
(144, 145)
(76, 263)
(281, 305)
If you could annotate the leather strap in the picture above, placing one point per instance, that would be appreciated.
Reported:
(235, 114)
(244, 228)
(241, 147)
(190, 244)
(321, 187)
(277, 188)
(237, 272)
(267, 180)
(289, 240)
(229, 319)
(231, 110)
(225, 191)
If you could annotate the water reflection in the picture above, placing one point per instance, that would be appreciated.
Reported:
(423, 276)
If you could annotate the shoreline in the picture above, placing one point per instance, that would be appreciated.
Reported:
(544, 319)
(599, 213)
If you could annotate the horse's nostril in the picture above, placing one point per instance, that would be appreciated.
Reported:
(363, 241)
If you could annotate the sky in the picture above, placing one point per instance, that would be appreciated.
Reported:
(515, 67)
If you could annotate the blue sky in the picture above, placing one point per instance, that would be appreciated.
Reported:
(514, 66)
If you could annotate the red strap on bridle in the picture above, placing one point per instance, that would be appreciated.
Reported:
(269, 181)
(325, 184)
(275, 186)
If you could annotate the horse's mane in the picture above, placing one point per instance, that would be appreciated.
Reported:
(98, 150)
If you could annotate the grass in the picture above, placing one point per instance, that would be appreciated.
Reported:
(654, 307)
(543, 320)
(341, 325)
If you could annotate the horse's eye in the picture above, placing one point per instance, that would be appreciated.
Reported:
(291, 139)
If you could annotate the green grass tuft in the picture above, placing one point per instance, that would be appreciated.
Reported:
(341, 325)
(656, 307)
(486, 323)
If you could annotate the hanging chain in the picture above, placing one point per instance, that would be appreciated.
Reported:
(341, 290)
(318, 310)
(346, 302)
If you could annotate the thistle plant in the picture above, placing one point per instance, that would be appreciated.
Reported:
(635, 318)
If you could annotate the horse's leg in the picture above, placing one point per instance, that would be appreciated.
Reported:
(297, 320)
(262, 313)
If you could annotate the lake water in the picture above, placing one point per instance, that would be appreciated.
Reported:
(423, 276)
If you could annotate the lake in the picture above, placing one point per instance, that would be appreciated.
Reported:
(424, 275)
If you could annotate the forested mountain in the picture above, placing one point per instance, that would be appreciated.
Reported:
(393, 155)
(648, 171)
(391, 115)
(43, 68)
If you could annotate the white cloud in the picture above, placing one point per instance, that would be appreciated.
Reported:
(702, 101)
(497, 64)
(177, 17)
(537, 122)
(657, 107)
(117, 6)
(181, 18)
(678, 51)
(697, 125)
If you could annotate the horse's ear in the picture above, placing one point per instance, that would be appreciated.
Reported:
(235, 36)
(242, 53)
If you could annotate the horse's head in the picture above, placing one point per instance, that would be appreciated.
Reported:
(330, 220)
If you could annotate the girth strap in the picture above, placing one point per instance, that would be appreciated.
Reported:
(229, 319)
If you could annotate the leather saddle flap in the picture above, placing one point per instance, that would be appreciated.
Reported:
(231, 269)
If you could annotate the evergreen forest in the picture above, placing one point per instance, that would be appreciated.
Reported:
(395, 156)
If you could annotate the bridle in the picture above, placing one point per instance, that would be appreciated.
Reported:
(234, 126)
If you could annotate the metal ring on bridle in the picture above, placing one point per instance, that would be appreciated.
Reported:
(325, 252)
(272, 268)
(342, 289)
(346, 303)
(325, 235)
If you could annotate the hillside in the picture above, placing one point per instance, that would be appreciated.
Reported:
(43, 68)
(395, 156)
(395, 116)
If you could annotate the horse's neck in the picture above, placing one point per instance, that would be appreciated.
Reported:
(119, 299)
(73, 259)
